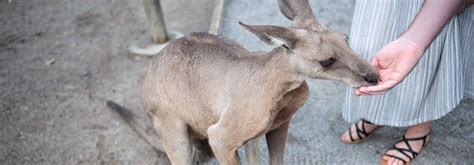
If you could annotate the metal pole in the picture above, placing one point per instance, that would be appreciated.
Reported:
(156, 23)
(216, 17)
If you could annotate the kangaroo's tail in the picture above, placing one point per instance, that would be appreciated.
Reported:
(202, 153)
(129, 118)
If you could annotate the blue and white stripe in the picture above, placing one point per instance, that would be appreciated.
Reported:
(434, 87)
(466, 20)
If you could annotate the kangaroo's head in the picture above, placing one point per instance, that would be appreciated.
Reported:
(315, 51)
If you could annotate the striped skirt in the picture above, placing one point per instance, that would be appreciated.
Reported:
(435, 86)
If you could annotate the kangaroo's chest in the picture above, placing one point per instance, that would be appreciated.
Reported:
(289, 104)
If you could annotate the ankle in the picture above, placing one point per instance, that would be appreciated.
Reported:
(419, 129)
(371, 126)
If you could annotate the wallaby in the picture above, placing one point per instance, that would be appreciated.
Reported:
(208, 92)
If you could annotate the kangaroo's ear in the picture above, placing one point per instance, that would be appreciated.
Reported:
(273, 35)
(299, 11)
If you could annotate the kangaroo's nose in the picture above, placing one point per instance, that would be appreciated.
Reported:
(372, 78)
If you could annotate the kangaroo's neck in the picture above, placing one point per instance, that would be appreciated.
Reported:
(280, 72)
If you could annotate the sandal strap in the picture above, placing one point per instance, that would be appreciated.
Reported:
(418, 138)
(362, 131)
(363, 128)
(405, 139)
(350, 133)
(396, 157)
(409, 148)
(366, 121)
(359, 131)
(404, 152)
(408, 145)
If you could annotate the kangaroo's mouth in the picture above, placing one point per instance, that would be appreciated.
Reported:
(361, 81)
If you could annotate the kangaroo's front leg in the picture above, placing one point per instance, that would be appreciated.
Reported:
(276, 140)
(234, 128)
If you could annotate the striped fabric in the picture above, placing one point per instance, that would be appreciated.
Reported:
(433, 88)
(466, 22)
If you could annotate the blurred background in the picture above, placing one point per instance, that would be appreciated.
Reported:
(60, 60)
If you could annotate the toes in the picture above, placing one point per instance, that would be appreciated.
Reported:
(345, 137)
(398, 162)
(390, 161)
(394, 161)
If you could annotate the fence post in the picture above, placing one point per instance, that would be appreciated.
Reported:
(155, 20)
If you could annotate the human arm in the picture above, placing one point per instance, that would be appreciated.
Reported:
(398, 58)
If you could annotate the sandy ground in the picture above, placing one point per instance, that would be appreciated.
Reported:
(55, 113)
(60, 61)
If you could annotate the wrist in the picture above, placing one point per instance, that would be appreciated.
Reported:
(412, 41)
(413, 46)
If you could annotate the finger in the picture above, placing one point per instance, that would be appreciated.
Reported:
(376, 93)
(375, 63)
(358, 92)
(363, 91)
(382, 86)
(363, 94)
(368, 93)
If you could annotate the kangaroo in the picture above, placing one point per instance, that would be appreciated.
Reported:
(208, 92)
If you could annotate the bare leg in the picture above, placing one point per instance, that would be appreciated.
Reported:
(276, 140)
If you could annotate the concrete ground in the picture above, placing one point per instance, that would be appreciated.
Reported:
(54, 112)
(60, 61)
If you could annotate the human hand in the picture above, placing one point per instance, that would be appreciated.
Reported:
(394, 62)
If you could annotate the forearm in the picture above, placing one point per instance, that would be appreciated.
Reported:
(431, 19)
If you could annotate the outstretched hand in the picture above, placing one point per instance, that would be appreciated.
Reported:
(394, 62)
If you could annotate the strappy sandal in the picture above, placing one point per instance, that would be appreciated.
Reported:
(362, 134)
(406, 152)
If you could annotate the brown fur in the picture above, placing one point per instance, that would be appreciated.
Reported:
(210, 89)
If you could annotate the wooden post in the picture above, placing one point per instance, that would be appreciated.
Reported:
(156, 22)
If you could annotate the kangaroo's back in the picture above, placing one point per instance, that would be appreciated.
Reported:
(197, 45)
(191, 73)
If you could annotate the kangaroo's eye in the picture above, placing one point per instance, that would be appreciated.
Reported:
(328, 62)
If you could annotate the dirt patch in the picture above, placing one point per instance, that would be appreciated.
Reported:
(60, 61)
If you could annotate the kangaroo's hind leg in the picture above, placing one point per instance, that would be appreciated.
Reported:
(173, 134)
(276, 143)
(252, 149)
